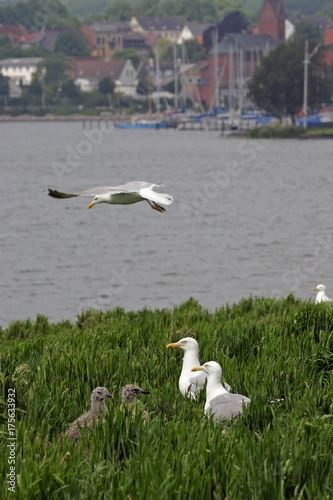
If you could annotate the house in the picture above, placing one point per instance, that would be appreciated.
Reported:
(20, 70)
(192, 31)
(272, 19)
(87, 73)
(238, 55)
(328, 44)
(15, 33)
(139, 43)
(107, 37)
(47, 38)
(167, 27)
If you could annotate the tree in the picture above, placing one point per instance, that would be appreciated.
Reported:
(106, 87)
(143, 86)
(130, 53)
(34, 14)
(70, 90)
(120, 11)
(164, 48)
(194, 51)
(147, 8)
(307, 30)
(4, 88)
(7, 49)
(277, 85)
(234, 22)
(72, 43)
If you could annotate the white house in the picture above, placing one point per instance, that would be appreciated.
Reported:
(168, 27)
(87, 73)
(289, 28)
(192, 31)
(20, 70)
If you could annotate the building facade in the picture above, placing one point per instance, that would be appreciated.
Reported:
(272, 19)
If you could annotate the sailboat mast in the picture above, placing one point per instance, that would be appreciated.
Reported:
(157, 81)
(175, 75)
(216, 69)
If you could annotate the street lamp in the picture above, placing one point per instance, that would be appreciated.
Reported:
(307, 59)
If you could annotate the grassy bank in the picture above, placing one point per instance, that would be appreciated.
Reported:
(268, 349)
(289, 132)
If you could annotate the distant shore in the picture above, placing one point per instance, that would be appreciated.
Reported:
(57, 118)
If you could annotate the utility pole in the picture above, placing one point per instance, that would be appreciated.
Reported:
(307, 59)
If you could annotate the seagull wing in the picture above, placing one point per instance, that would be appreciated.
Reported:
(227, 406)
(136, 186)
(88, 192)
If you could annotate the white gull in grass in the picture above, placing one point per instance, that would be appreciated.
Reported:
(220, 404)
(321, 295)
(125, 194)
(190, 384)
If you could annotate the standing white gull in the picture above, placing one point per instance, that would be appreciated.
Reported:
(190, 384)
(220, 404)
(321, 295)
(125, 194)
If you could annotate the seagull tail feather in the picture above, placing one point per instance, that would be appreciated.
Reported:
(160, 198)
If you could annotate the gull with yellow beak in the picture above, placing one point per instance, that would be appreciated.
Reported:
(321, 295)
(126, 194)
(220, 404)
(190, 384)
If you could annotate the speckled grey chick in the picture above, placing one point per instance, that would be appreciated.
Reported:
(97, 412)
(129, 394)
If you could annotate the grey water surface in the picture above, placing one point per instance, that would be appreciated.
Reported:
(250, 217)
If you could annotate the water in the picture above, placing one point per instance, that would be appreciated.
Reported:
(249, 218)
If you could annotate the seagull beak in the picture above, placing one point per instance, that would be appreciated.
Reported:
(91, 204)
(315, 290)
(197, 369)
(173, 346)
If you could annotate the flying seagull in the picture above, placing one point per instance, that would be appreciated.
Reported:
(321, 295)
(220, 404)
(125, 194)
(190, 384)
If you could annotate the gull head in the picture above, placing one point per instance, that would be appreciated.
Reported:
(98, 199)
(130, 392)
(210, 367)
(319, 288)
(100, 394)
(187, 344)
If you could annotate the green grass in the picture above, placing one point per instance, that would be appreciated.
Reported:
(267, 349)
(320, 131)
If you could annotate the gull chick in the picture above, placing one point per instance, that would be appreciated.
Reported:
(220, 404)
(321, 295)
(190, 384)
(129, 393)
(125, 194)
(97, 412)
